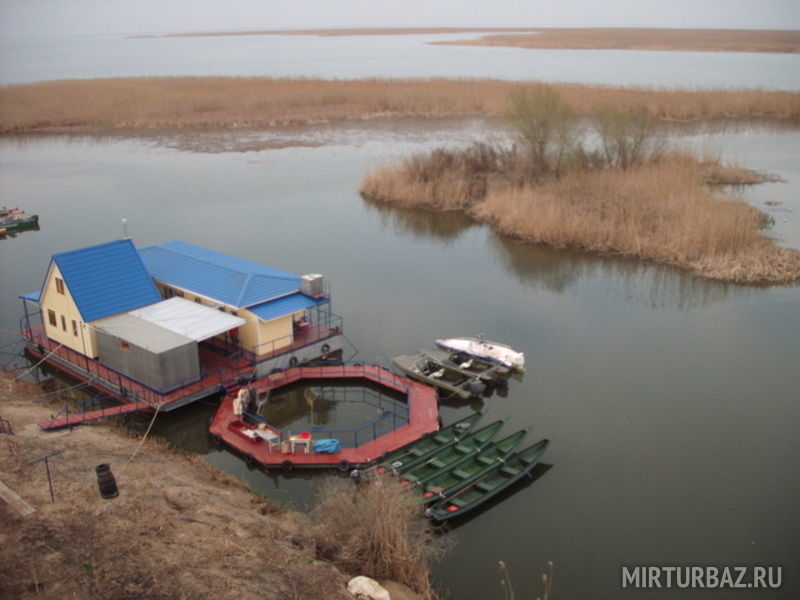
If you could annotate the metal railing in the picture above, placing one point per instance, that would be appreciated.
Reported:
(311, 334)
(353, 437)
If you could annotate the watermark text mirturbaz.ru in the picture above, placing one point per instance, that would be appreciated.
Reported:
(702, 577)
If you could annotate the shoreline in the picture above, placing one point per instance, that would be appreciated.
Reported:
(174, 104)
(192, 526)
(562, 38)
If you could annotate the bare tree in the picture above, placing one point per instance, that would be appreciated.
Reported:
(627, 139)
(545, 125)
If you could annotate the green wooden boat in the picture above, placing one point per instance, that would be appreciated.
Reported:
(465, 448)
(464, 472)
(427, 446)
(501, 477)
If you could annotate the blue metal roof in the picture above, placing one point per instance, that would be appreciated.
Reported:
(224, 278)
(32, 296)
(106, 279)
(284, 306)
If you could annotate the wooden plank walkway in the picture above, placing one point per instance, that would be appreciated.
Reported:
(91, 415)
(422, 408)
(16, 502)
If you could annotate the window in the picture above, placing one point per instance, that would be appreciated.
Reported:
(74, 328)
(198, 299)
(51, 316)
(63, 323)
(59, 285)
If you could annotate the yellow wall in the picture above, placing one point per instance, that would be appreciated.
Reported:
(64, 306)
(275, 334)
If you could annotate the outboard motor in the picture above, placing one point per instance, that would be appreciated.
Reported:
(477, 387)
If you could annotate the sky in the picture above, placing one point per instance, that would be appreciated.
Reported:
(21, 19)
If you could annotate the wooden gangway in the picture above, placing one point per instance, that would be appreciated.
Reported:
(76, 418)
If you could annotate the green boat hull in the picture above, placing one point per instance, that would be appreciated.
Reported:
(498, 479)
(422, 469)
(465, 472)
(449, 381)
(428, 445)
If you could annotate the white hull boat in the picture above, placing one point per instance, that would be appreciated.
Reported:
(485, 350)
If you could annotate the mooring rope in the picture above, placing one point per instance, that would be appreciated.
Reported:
(40, 362)
(144, 437)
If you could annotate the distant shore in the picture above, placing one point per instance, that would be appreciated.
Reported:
(693, 40)
(153, 104)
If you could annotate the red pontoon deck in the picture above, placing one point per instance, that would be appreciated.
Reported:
(423, 418)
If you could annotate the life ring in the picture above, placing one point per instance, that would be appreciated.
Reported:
(293, 361)
(344, 466)
(287, 466)
(249, 458)
(325, 348)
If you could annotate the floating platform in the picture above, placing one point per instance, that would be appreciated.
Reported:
(220, 373)
(423, 418)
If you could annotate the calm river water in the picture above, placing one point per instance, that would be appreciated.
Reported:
(672, 402)
(383, 56)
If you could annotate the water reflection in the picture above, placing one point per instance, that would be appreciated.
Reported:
(656, 286)
(422, 224)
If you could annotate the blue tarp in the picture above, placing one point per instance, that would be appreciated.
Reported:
(327, 446)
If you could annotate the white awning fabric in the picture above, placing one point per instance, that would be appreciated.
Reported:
(188, 319)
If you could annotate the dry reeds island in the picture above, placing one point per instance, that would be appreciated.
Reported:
(694, 40)
(605, 38)
(625, 194)
(206, 103)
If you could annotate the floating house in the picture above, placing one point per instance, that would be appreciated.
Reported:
(174, 322)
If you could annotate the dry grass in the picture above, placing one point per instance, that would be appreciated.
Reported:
(376, 529)
(664, 210)
(695, 40)
(179, 528)
(213, 103)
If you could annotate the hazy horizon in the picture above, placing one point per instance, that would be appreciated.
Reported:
(25, 19)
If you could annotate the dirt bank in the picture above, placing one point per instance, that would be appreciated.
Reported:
(179, 528)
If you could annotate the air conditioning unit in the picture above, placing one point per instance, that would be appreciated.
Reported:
(312, 285)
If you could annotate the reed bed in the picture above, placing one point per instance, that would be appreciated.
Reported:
(663, 210)
(378, 530)
(694, 40)
(214, 103)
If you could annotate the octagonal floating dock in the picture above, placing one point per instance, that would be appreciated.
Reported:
(284, 452)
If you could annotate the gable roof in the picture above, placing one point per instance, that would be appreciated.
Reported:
(227, 279)
(106, 279)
